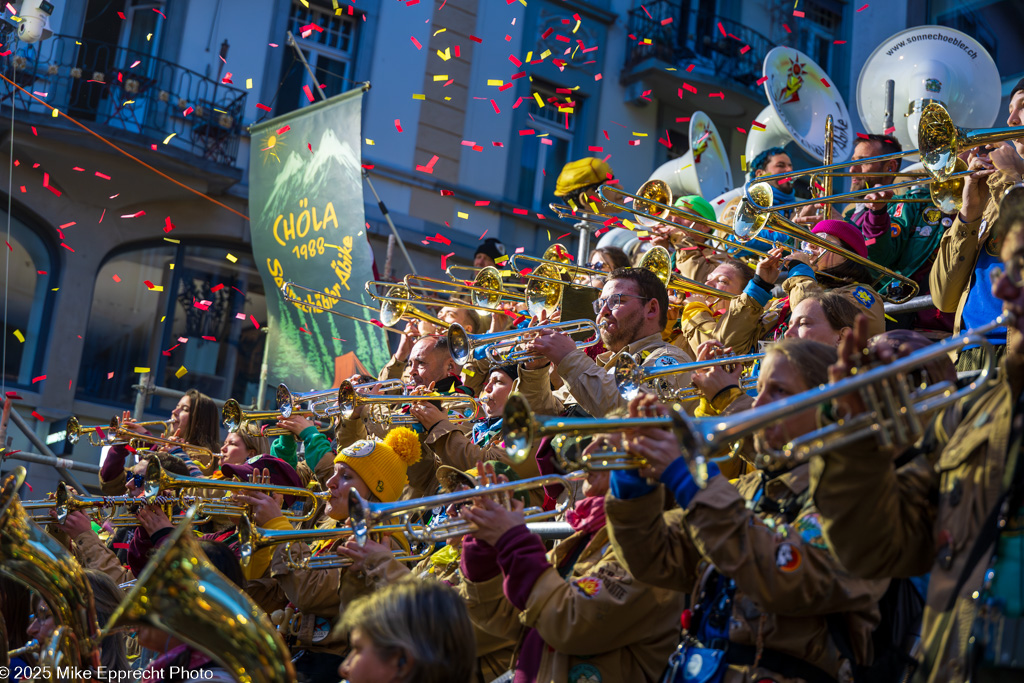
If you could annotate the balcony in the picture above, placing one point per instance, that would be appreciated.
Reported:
(136, 97)
(724, 54)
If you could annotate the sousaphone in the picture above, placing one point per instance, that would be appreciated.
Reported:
(704, 169)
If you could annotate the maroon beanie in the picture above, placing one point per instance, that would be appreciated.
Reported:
(846, 233)
(281, 473)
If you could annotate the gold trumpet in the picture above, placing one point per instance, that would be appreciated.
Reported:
(253, 538)
(349, 399)
(234, 418)
(158, 479)
(630, 374)
(181, 593)
(397, 303)
(325, 302)
(125, 435)
(550, 282)
(940, 141)
(365, 516)
(659, 261)
(478, 295)
(750, 221)
(320, 400)
(499, 347)
(35, 559)
(75, 430)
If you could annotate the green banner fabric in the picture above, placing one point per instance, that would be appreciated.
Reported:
(308, 228)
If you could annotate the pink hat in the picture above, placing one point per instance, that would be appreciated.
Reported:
(846, 233)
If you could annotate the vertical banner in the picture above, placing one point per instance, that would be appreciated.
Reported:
(308, 228)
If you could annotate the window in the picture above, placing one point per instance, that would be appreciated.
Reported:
(198, 315)
(817, 35)
(330, 53)
(995, 24)
(547, 151)
(29, 297)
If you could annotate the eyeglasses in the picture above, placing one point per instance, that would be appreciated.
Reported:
(612, 302)
(598, 265)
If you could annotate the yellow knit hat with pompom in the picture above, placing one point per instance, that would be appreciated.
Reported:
(382, 465)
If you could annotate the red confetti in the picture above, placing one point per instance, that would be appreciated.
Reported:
(283, 129)
(263, 107)
(798, 13)
(217, 288)
(495, 105)
(444, 260)
(561, 236)
(160, 13)
(309, 93)
(253, 318)
(839, 42)
(742, 131)
(761, 80)
(67, 247)
(148, 284)
(592, 148)
(38, 416)
(863, 8)
(475, 39)
(547, 34)
(117, 278)
(416, 42)
(40, 378)
(757, 124)
(121, 14)
(520, 212)
(209, 338)
(666, 22)
(825, 83)
(168, 225)
(720, 28)
(788, 30)
(482, 202)
(398, 125)
(372, 320)
(527, 131)
(13, 395)
(303, 329)
(187, 111)
(515, 60)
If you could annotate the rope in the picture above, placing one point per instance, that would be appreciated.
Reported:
(7, 253)
(111, 144)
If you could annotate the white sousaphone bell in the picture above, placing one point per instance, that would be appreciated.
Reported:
(704, 169)
(799, 101)
(928, 64)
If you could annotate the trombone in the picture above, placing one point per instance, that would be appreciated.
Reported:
(940, 141)
(659, 261)
(546, 285)
(124, 435)
(750, 221)
(397, 303)
(326, 302)
(479, 296)
(365, 516)
(629, 374)
(349, 399)
(893, 417)
(288, 400)
(253, 538)
(499, 347)
(158, 479)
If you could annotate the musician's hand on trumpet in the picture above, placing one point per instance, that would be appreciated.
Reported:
(75, 524)
(877, 201)
(770, 267)
(812, 214)
(128, 422)
(359, 554)
(711, 381)
(658, 447)
(1005, 158)
(490, 517)
(152, 519)
(552, 345)
(262, 508)
(296, 424)
(405, 344)
(976, 191)
(427, 413)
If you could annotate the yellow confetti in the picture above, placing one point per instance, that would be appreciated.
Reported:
(593, 208)
(369, 141)
(157, 288)
(577, 26)
(501, 260)
(231, 257)
(163, 318)
(647, 41)
(446, 55)
(529, 56)
(248, 84)
(642, 233)
(55, 113)
(640, 135)
(168, 138)
(628, 224)
(447, 99)
(440, 31)
(440, 77)
(495, 81)
(540, 102)
(743, 163)
(172, 240)
(20, 337)
(545, 54)
(419, 97)
(141, 370)
(462, 214)
(149, 37)
(180, 372)
(171, 266)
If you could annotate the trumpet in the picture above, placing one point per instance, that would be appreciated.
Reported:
(893, 415)
(253, 538)
(234, 418)
(490, 289)
(397, 303)
(939, 140)
(32, 647)
(365, 516)
(500, 346)
(547, 284)
(629, 374)
(67, 502)
(750, 221)
(158, 479)
(327, 301)
(320, 400)
(349, 399)
(478, 295)
(571, 458)
(659, 261)
(75, 430)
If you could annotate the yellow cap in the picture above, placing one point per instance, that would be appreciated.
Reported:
(578, 174)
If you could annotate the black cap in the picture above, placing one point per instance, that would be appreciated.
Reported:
(491, 247)
(1019, 86)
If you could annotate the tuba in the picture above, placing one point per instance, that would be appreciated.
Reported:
(32, 557)
(181, 593)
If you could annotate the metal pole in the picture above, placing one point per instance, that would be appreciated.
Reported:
(890, 96)
(583, 255)
(143, 390)
(302, 58)
(918, 303)
(387, 217)
(264, 369)
(45, 450)
(550, 531)
(55, 462)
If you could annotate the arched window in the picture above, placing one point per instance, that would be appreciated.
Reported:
(28, 300)
(193, 325)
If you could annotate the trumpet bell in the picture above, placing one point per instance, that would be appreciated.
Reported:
(231, 415)
(180, 592)
(937, 141)
(656, 190)
(458, 344)
(488, 278)
(543, 295)
(748, 223)
(658, 261)
(519, 427)
(392, 311)
(948, 195)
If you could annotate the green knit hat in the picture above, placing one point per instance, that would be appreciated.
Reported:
(698, 205)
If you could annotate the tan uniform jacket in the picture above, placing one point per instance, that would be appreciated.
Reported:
(599, 620)
(593, 384)
(951, 274)
(451, 446)
(786, 579)
(923, 517)
(864, 296)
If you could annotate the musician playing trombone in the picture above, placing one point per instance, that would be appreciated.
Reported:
(631, 314)
(763, 582)
(954, 511)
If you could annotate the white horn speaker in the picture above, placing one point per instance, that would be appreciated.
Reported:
(704, 169)
(929, 64)
(800, 98)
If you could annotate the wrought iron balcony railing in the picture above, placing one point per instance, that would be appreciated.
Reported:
(725, 47)
(100, 83)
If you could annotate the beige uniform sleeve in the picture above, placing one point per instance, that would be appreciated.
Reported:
(393, 370)
(776, 566)
(894, 535)
(740, 325)
(653, 545)
(535, 386)
(312, 591)
(94, 554)
(489, 611)
(954, 264)
(456, 449)
(799, 287)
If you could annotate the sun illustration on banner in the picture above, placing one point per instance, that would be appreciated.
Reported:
(272, 144)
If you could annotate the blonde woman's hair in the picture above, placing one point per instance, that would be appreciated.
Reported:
(425, 622)
(253, 440)
(809, 358)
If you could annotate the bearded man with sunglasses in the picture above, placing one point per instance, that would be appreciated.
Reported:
(631, 313)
